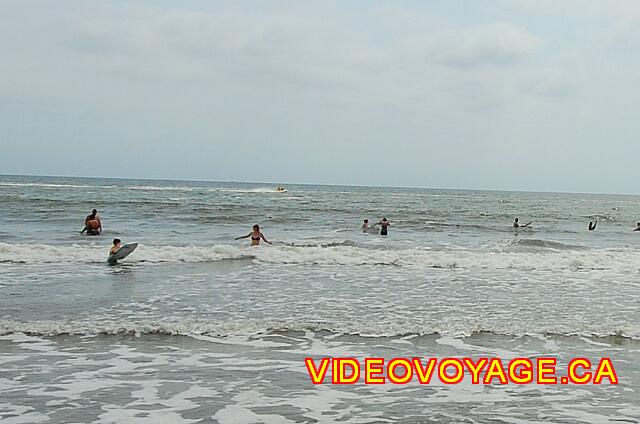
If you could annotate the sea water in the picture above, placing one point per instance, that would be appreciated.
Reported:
(196, 327)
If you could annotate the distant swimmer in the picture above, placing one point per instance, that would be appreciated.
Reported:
(92, 224)
(517, 225)
(255, 235)
(592, 225)
(637, 227)
(384, 226)
(365, 226)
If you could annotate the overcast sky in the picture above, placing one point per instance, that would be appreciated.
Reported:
(505, 94)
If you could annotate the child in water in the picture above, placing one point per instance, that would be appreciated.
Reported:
(117, 244)
(255, 235)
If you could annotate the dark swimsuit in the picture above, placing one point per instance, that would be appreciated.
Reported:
(383, 230)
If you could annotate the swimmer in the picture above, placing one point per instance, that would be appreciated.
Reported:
(117, 244)
(384, 226)
(592, 226)
(517, 225)
(637, 227)
(92, 224)
(365, 226)
(255, 235)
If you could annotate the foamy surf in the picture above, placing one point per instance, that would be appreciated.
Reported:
(257, 327)
(159, 188)
(48, 185)
(247, 190)
(197, 327)
(339, 253)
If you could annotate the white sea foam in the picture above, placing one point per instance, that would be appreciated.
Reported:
(247, 190)
(161, 188)
(130, 187)
(615, 260)
(48, 185)
(143, 187)
(258, 327)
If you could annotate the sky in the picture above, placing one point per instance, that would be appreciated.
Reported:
(506, 94)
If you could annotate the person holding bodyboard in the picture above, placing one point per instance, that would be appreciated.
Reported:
(118, 251)
(516, 224)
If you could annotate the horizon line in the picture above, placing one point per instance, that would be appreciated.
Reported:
(319, 184)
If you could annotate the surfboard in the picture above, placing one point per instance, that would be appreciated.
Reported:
(122, 253)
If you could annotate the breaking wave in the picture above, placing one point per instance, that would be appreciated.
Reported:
(336, 253)
(191, 327)
(544, 244)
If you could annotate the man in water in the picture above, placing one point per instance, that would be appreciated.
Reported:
(365, 226)
(92, 224)
(384, 226)
(517, 225)
(592, 226)
(637, 227)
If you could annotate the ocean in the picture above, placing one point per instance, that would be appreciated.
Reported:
(195, 327)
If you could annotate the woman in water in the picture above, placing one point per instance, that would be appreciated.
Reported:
(255, 235)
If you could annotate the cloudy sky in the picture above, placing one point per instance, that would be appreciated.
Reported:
(504, 94)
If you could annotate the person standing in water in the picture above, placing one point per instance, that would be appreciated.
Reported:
(637, 227)
(516, 224)
(384, 226)
(592, 226)
(92, 224)
(255, 235)
(365, 226)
